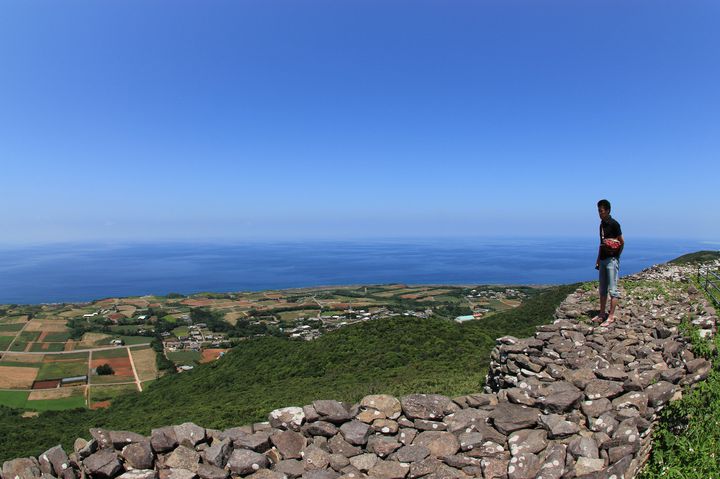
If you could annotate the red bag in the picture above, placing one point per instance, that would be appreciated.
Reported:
(612, 245)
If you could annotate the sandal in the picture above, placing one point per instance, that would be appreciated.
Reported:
(607, 322)
(599, 318)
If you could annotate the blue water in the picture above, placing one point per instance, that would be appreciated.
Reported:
(83, 272)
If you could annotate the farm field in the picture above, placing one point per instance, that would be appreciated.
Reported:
(12, 377)
(58, 367)
(184, 357)
(145, 363)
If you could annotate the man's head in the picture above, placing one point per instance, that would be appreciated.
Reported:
(603, 209)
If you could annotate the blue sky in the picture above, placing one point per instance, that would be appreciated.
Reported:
(147, 120)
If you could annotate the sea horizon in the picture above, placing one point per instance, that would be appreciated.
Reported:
(86, 271)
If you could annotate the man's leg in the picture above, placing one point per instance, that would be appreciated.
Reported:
(613, 270)
(602, 291)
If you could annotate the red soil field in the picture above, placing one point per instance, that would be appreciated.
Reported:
(121, 366)
(50, 384)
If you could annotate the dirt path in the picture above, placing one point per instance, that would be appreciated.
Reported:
(16, 336)
(132, 363)
(78, 350)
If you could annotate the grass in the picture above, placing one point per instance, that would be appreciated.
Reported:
(11, 327)
(184, 357)
(58, 370)
(5, 342)
(18, 345)
(110, 379)
(57, 337)
(79, 355)
(49, 347)
(120, 352)
(14, 399)
(73, 402)
(130, 340)
(181, 331)
(104, 393)
(19, 364)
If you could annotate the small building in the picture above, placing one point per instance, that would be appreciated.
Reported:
(462, 319)
(73, 380)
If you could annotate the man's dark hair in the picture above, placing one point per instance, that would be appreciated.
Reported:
(604, 204)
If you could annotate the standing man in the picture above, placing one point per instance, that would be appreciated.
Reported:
(608, 262)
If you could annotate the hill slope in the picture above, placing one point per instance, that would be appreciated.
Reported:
(396, 356)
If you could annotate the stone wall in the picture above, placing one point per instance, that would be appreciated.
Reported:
(576, 400)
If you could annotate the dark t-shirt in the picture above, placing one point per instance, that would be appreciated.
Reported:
(609, 229)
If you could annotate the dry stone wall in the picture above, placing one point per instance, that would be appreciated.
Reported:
(575, 401)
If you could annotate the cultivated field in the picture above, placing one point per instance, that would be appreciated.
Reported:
(145, 363)
(17, 377)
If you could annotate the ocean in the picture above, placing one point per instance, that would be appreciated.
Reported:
(84, 272)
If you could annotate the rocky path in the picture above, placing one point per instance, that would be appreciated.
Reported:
(574, 401)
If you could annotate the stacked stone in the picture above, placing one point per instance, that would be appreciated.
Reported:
(574, 401)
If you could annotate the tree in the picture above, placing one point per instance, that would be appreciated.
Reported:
(105, 370)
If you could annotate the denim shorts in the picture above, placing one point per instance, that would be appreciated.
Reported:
(609, 271)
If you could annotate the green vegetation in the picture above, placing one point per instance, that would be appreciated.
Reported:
(61, 369)
(49, 347)
(395, 356)
(697, 257)
(72, 402)
(185, 357)
(104, 370)
(5, 342)
(105, 393)
(57, 337)
(120, 352)
(14, 399)
(13, 328)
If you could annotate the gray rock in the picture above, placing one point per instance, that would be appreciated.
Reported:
(290, 467)
(320, 428)
(183, 457)
(673, 375)
(104, 464)
(321, 474)
(520, 396)
(120, 439)
(338, 445)
(217, 454)
(407, 436)
(139, 455)
(659, 393)
(510, 417)
(102, 437)
(439, 443)
(412, 453)
(258, 441)
(524, 466)
(140, 474)
(586, 465)
(617, 453)
(600, 388)
(382, 446)
(189, 434)
(54, 461)
(22, 468)
(287, 418)
(612, 374)
(527, 440)
(634, 399)
(364, 462)
(208, 471)
(562, 401)
(163, 439)
(389, 470)
(338, 462)
(424, 467)
(596, 407)
(425, 425)
(267, 474)
(244, 461)
(583, 447)
(84, 448)
(427, 406)
(235, 433)
(332, 411)
(315, 458)
(311, 414)
(558, 427)
(553, 462)
(385, 426)
(464, 419)
(495, 468)
(355, 432)
(389, 406)
(289, 444)
(178, 474)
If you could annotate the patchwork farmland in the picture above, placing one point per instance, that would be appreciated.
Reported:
(57, 356)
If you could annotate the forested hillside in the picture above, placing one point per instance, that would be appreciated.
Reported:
(394, 356)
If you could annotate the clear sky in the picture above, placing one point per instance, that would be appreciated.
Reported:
(148, 120)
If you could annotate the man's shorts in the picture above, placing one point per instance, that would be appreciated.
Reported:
(609, 272)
